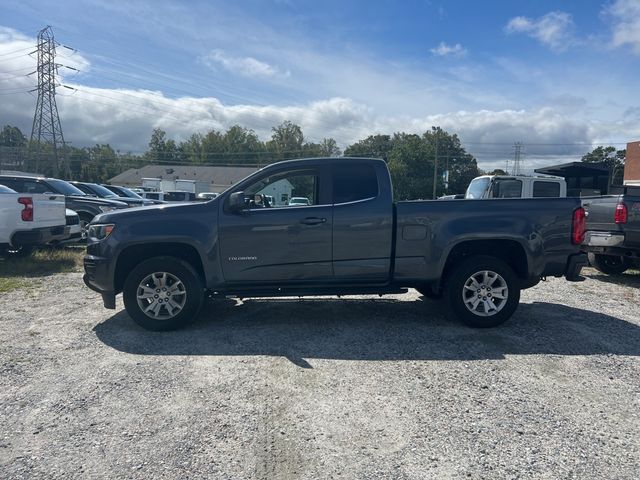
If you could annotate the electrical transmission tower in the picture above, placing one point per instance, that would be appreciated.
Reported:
(46, 122)
(519, 147)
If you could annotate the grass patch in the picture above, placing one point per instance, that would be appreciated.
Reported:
(8, 284)
(44, 261)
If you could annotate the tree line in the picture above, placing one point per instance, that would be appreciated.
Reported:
(415, 160)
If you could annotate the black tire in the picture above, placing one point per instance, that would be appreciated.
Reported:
(609, 264)
(427, 292)
(188, 294)
(456, 291)
(85, 219)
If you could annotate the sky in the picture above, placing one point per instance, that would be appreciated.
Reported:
(558, 76)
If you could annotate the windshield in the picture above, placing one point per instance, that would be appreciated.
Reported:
(65, 188)
(4, 189)
(477, 187)
(101, 191)
(128, 193)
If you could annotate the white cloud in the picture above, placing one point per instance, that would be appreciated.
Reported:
(444, 50)
(553, 30)
(626, 23)
(247, 66)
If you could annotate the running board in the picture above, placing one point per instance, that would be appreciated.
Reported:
(307, 292)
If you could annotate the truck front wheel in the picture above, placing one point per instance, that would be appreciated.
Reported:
(482, 291)
(609, 264)
(163, 293)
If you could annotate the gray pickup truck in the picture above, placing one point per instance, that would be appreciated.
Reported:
(612, 237)
(350, 239)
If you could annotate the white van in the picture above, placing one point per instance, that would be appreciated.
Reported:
(509, 186)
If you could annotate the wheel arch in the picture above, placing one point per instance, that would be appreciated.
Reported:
(131, 256)
(508, 250)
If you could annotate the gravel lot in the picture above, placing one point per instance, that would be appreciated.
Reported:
(358, 387)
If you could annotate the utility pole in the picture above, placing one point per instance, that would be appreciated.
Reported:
(46, 122)
(519, 147)
(435, 166)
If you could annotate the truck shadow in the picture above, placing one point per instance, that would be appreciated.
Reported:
(631, 278)
(373, 329)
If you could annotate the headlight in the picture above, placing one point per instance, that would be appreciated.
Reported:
(105, 208)
(100, 231)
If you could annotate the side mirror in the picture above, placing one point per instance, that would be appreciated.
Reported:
(236, 202)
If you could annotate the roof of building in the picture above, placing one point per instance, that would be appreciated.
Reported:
(575, 169)
(216, 175)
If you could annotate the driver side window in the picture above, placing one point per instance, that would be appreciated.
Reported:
(284, 189)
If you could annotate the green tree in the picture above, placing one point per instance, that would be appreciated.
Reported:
(213, 146)
(191, 150)
(376, 146)
(329, 148)
(241, 145)
(411, 167)
(287, 141)
(411, 159)
(12, 137)
(612, 158)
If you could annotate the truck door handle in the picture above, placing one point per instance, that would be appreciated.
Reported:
(313, 221)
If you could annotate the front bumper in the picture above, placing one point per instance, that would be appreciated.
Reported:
(96, 277)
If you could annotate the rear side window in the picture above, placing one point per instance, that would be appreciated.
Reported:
(354, 182)
(546, 189)
(509, 188)
(29, 186)
(12, 184)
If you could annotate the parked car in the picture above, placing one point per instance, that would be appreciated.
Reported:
(612, 239)
(205, 196)
(99, 191)
(351, 239)
(72, 219)
(129, 193)
(29, 220)
(86, 206)
(173, 196)
(509, 186)
(295, 201)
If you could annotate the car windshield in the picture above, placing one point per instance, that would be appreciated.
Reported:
(65, 188)
(128, 193)
(4, 189)
(101, 191)
(477, 187)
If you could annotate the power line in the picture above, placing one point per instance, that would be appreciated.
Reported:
(16, 51)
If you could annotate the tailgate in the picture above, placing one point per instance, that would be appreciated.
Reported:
(48, 210)
(600, 213)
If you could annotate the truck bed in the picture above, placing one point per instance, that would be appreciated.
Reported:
(428, 231)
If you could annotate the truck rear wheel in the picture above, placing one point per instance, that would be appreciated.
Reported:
(482, 291)
(163, 293)
(609, 264)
